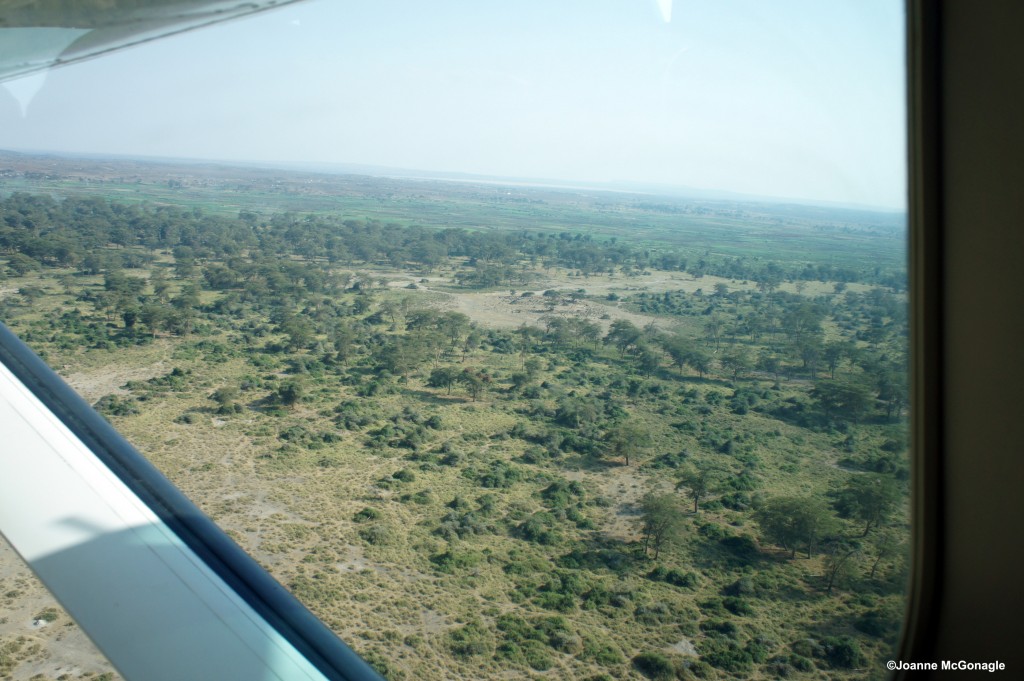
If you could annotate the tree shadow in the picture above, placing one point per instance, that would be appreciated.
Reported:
(600, 552)
(583, 462)
(435, 399)
(730, 551)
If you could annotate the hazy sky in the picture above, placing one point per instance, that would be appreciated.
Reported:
(795, 99)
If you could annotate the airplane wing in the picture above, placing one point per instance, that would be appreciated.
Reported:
(39, 34)
(160, 589)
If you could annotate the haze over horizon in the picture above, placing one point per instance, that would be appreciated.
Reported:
(799, 102)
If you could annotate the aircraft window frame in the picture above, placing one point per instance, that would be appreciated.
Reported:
(926, 349)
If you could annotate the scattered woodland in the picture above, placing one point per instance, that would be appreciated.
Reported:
(702, 481)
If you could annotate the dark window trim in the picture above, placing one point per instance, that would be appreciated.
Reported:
(924, 136)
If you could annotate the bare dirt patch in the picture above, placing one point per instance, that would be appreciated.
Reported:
(624, 487)
(507, 309)
(503, 310)
(683, 647)
(110, 377)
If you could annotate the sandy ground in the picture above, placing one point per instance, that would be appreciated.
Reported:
(683, 647)
(504, 309)
(501, 310)
(95, 383)
(624, 486)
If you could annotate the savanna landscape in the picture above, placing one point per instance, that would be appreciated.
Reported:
(489, 431)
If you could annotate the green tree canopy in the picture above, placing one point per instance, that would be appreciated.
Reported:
(869, 498)
(792, 522)
(663, 522)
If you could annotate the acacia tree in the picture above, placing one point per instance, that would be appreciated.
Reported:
(474, 381)
(574, 412)
(885, 544)
(737, 362)
(843, 399)
(647, 359)
(626, 440)
(713, 332)
(769, 362)
(678, 348)
(401, 354)
(444, 377)
(154, 317)
(623, 334)
(841, 559)
(289, 393)
(833, 353)
(699, 361)
(892, 390)
(792, 522)
(698, 481)
(588, 331)
(662, 522)
(225, 398)
(868, 497)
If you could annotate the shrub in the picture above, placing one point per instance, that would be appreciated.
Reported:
(525, 565)
(404, 475)
(601, 651)
(382, 664)
(450, 561)
(48, 615)
(737, 606)
(424, 496)
(566, 642)
(744, 586)
(540, 528)
(685, 580)
(560, 494)
(378, 535)
(743, 547)
(842, 652)
(559, 602)
(365, 515)
(727, 655)
(487, 503)
(654, 666)
(531, 653)
(719, 627)
(500, 476)
(455, 525)
(806, 647)
(113, 405)
(655, 613)
(878, 623)
(470, 640)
